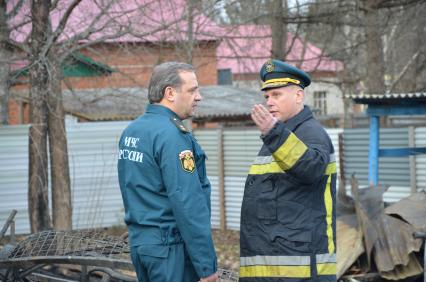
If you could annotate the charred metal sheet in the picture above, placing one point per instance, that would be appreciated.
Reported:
(388, 239)
(349, 239)
(411, 209)
(349, 243)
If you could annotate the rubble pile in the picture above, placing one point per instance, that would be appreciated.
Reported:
(375, 241)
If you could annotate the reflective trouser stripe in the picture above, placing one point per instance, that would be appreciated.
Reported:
(290, 152)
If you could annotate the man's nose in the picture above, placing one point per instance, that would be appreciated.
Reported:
(198, 96)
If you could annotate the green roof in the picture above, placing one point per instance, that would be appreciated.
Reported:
(77, 65)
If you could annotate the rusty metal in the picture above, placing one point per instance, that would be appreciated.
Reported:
(93, 251)
(9, 222)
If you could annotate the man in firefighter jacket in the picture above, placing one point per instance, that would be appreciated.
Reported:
(288, 227)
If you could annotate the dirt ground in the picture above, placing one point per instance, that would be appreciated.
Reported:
(227, 245)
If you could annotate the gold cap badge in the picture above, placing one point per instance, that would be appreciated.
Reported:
(269, 66)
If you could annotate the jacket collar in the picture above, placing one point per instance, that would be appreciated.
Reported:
(298, 119)
(162, 110)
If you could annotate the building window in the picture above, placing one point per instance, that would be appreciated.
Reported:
(320, 102)
(225, 77)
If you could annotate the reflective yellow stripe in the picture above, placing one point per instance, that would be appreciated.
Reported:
(265, 168)
(273, 167)
(329, 216)
(275, 271)
(331, 168)
(290, 152)
(282, 260)
(278, 81)
(326, 269)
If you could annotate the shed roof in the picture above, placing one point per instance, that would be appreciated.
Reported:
(129, 103)
(389, 98)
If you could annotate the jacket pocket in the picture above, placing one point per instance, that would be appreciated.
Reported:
(266, 204)
(293, 215)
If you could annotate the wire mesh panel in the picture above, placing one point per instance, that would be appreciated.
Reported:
(227, 275)
(71, 244)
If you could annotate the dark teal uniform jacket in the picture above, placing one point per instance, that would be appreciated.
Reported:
(288, 230)
(165, 190)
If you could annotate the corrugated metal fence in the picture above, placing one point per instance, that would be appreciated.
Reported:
(93, 153)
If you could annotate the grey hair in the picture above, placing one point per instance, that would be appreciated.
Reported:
(163, 76)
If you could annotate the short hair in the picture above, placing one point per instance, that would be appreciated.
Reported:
(163, 76)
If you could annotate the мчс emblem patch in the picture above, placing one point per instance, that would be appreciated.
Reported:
(187, 161)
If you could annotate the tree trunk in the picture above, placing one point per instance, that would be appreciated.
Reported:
(278, 29)
(59, 168)
(375, 63)
(4, 65)
(38, 202)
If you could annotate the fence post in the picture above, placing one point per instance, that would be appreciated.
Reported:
(221, 180)
(412, 160)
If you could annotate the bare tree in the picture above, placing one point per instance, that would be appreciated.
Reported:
(278, 11)
(4, 63)
(39, 79)
(375, 62)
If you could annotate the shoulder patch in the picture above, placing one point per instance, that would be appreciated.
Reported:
(187, 161)
(179, 124)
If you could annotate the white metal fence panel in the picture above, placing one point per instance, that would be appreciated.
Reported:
(209, 141)
(241, 146)
(96, 195)
(420, 141)
(93, 170)
(392, 171)
(14, 175)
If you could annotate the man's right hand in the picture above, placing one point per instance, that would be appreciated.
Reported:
(212, 278)
(263, 118)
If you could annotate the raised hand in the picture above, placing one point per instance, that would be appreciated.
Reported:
(263, 119)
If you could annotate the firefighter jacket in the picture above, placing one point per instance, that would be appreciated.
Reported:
(165, 190)
(288, 230)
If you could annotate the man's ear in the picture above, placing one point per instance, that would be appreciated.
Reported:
(169, 94)
(300, 95)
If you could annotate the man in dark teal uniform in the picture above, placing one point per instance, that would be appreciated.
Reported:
(164, 186)
(288, 218)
